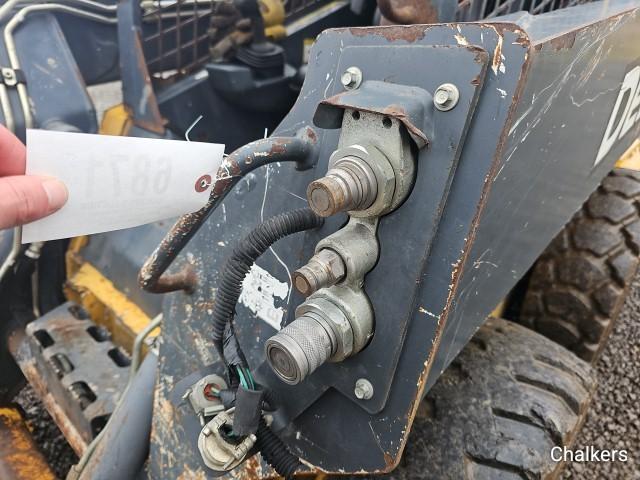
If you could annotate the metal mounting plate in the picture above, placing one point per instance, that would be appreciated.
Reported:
(429, 58)
(393, 307)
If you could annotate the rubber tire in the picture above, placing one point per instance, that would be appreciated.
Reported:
(578, 285)
(498, 410)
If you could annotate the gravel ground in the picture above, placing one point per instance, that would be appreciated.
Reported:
(614, 417)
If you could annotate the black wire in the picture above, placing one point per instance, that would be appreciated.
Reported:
(244, 256)
(274, 451)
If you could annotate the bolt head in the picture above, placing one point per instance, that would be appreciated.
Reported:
(347, 79)
(446, 97)
(351, 78)
(363, 389)
(442, 97)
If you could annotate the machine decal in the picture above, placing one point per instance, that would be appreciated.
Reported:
(259, 292)
(626, 113)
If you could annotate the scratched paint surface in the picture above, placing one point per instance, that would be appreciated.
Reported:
(337, 432)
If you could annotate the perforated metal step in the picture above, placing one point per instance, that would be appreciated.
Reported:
(75, 369)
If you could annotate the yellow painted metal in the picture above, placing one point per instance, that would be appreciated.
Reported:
(106, 305)
(116, 121)
(273, 15)
(20, 459)
(631, 158)
(499, 310)
(73, 260)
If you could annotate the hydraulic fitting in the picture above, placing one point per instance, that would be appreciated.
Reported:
(301, 347)
(326, 268)
(349, 185)
(327, 328)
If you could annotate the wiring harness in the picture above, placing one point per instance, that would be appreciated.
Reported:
(249, 398)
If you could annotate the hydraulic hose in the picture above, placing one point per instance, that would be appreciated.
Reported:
(235, 269)
(300, 149)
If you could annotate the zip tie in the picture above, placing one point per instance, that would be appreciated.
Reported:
(186, 134)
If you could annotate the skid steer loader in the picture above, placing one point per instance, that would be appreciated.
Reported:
(401, 178)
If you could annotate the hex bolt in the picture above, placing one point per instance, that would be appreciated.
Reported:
(349, 185)
(446, 97)
(363, 389)
(325, 268)
(351, 78)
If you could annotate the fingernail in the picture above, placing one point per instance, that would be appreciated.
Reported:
(56, 192)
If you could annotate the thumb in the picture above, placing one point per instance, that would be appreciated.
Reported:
(26, 198)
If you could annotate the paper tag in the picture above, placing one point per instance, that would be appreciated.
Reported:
(118, 182)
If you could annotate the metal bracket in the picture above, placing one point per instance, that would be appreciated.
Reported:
(12, 76)
(412, 106)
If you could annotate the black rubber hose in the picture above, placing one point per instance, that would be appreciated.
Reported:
(275, 452)
(243, 257)
(235, 269)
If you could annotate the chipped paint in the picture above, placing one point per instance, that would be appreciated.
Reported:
(498, 59)
(461, 40)
(410, 33)
(260, 290)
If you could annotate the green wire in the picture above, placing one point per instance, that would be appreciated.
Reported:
(247, 373)
(243, 380)
(246, 379)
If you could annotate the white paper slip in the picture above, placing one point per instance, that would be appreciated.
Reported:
(118, 182)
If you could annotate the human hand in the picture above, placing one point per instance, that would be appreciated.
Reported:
(24, 198)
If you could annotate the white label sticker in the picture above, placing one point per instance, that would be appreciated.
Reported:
(118, 182)
(625, 115)
(259, 292)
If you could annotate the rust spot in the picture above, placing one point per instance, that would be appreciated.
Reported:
(409, 33)
(203, 183)
(389, 461)
(67, 428)
(311, 134)
(252, 468)
(497, 55)
(394, 111)
(522, 40)
(563, 42)
(398, 112)
(185, 279)
(408, 12)
(278, 147)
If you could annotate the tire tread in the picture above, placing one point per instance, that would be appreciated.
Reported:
(578, 286)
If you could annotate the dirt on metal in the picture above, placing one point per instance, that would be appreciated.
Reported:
(613, 422)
